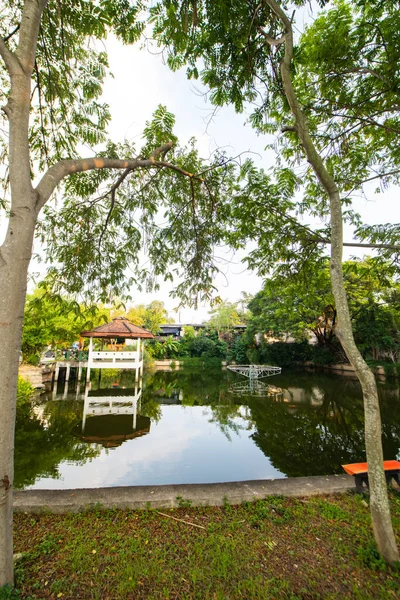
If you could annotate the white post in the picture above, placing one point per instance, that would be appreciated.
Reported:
(85, 407)
(141, 368)
(138, 350)
(89, 359)
(134, 413)
(56, 373)
(79, 372)
(68, 372)
(137, 360)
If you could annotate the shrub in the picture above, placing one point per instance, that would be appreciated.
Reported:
(24, 391)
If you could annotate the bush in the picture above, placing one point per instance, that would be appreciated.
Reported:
(285, 354)
(33, 358)
(148, 359)
(238, 350)
(392, 369)
(24, 391)
(201, 363)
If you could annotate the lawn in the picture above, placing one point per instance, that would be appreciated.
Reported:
(274, 548)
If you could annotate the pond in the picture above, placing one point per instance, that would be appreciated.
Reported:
(195, 427)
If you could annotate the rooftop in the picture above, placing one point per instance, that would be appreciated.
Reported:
(120, 327)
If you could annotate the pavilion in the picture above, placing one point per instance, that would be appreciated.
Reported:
(117, 333)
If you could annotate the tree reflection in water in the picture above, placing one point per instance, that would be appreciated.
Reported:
(323, 430)
(43, 440)
(313, 427)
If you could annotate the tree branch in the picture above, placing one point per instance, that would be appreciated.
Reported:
(272, 41)
(10, 60)
(366, 71)
(13, 32)
(381, 246)
(63, 168)
(381, 176)
(29, 31)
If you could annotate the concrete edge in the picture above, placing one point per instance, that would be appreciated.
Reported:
(170, 496)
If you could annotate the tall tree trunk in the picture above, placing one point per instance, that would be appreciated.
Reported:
(15, 255)
(379, 502)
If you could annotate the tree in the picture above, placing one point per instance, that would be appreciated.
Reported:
(296, 305)
(204, 346)
(155, 315)
(223, 317)
(137, 314)
(303, 305)
(248, 51)
(55, 320)
(380, 511)
(52, 77)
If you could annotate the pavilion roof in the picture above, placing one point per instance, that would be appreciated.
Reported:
(120, 327)
(112, 430)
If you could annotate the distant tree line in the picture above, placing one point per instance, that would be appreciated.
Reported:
(301, 309)
(290, 320)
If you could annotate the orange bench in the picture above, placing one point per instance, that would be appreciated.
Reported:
(360, 473)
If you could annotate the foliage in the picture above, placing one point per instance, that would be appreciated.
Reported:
(224, 316)
(204, 346)
(150, 317)
(345, 76)
(170, 348)
(55, 320)
(24, 392)
(294, 305)
(96, 224)
(67, 110)
(303, 305)
(94, 257)
(238, 350)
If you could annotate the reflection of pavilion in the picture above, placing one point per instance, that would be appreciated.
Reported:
(111, 416)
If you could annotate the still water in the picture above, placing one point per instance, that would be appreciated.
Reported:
(195, 427)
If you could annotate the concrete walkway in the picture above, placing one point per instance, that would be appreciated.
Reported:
(168, 496)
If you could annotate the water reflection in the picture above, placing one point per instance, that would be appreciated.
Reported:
(255, 388)
(110, 416)
(187, 426)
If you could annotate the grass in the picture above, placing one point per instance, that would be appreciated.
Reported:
(278, 548)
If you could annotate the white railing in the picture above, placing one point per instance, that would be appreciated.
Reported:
(118, 360)
(112, 405)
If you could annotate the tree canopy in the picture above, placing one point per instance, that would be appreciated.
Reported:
(303, 306)
(345, 74)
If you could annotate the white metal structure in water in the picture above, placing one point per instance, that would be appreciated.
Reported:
(255, 371)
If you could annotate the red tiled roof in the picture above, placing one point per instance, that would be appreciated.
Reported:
(120, 327)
